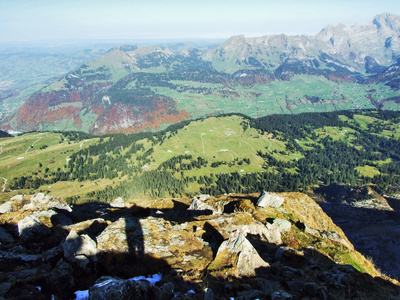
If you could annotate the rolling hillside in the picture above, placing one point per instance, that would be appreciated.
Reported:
(213, 155)
(134, 89)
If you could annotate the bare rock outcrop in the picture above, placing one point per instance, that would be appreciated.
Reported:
(80, 249)
(249, 252)
(240, 253)
(205, 203)
(198, 204)
(35, 202)
(118, 203)
(31, 228)
(269, 200)
(283, 225)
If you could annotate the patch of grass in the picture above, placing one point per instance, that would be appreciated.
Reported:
(217, 139)
(368, 171)
(35, 152)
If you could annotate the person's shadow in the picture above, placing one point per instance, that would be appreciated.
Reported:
(119, 240)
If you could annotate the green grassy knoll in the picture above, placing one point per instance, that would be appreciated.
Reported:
(223, 139)
(35, 153)
(65, 189)
(217, 139)
(368, 171)
(363, 120)
(344, 134)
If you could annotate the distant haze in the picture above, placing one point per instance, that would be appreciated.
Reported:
(46, 20)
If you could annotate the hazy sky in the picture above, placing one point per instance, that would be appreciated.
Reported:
(34, 20)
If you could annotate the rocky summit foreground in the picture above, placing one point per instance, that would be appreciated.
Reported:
(281, 246)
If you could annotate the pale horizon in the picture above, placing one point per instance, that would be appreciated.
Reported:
(27, 21)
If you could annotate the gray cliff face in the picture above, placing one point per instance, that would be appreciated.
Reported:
(379, 38)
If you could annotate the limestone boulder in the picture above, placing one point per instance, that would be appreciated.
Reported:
(268, 232)
(197, 205)
(121, 248)
(35, 202)
(118, 203)
(238, 252)
(245, 223)
(283, 225)
(269, 200)
(152, 241)
(80, 249)
(122, 236)
(177, 246)
(41, 201)
(6, 207)
(93, 226)
(15, 204)
(31, 229)
(203, 197)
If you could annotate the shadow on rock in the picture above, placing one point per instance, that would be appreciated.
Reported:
(177, 253)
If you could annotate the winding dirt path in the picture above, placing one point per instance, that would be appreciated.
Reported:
(33, 144)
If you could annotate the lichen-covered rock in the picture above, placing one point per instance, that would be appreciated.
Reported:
(32, 229)
(305, 210)
(179, 247)
(268, 232)
(122, 236)
(41, 201)
(38, 201)
(94, 226)
(203, 197)
(274, 235)
(269, 200)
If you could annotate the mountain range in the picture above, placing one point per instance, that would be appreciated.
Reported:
(132, 89)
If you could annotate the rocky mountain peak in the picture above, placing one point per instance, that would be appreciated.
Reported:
(235, 43)
(387, 20)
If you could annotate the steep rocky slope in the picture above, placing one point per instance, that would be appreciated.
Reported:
(205, 248)
(340, 46)
(370, 221)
